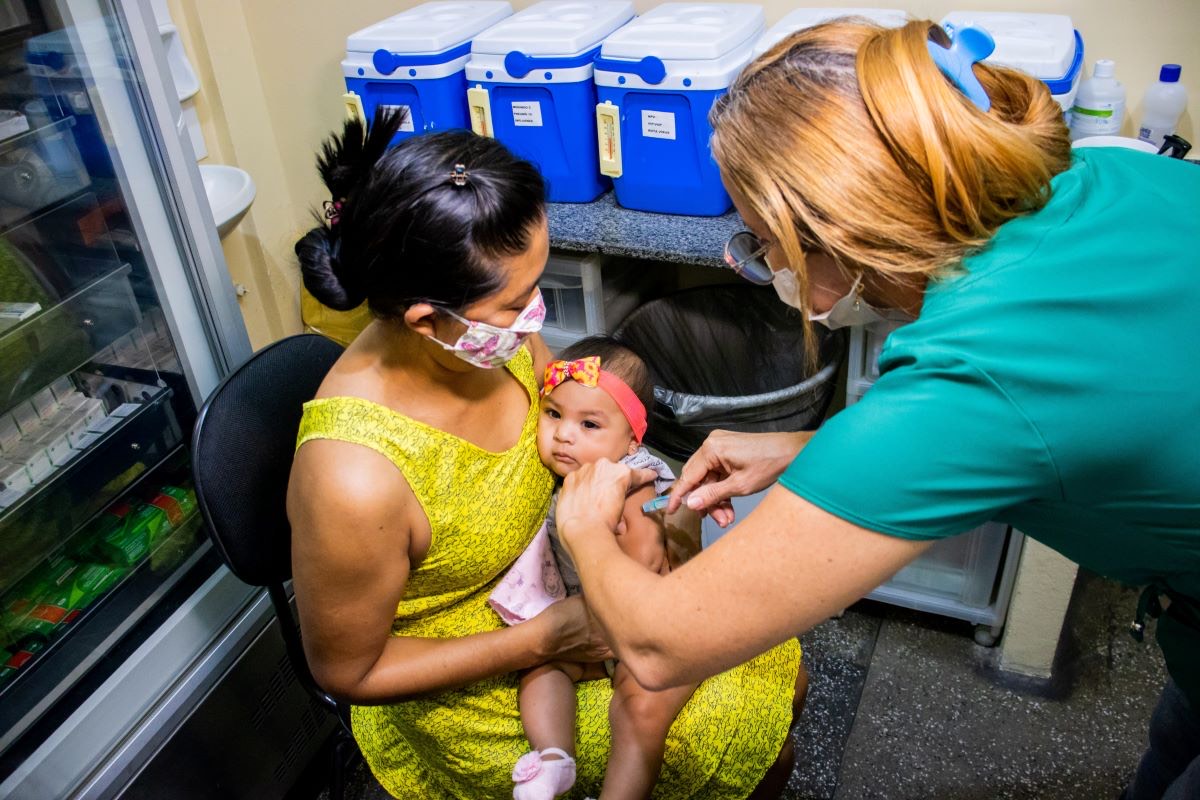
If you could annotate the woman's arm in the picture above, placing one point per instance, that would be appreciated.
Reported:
(787, 567)
(352, 517)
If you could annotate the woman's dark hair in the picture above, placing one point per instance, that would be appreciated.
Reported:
(401, 229)
(618, 359)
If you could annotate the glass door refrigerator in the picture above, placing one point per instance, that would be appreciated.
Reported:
(117, 318)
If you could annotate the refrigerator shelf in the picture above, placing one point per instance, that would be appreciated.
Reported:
(62, 338)
(48, 516)
(173, 550)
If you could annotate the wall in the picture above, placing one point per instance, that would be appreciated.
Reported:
(272, 90)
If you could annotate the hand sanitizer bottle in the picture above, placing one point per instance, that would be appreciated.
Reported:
(1164, 104)
(1099, 106)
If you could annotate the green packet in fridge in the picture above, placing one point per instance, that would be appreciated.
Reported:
(89, 582)
(58, 602)
(112, 520)
(41, 604)
(184, 496)
(143, 527)
(19, 658)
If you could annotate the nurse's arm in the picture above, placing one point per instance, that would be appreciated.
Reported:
(785, 568)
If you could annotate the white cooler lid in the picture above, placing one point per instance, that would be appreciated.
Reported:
(1042, 45)
(430, 27)
(807, 17)
(686, 31)
(555, 28)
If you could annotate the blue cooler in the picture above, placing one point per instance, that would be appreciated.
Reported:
(531, 88)
(415, 61)
(808, 17)
(1046, 46)
(656, 79)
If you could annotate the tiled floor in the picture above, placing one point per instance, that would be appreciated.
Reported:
(904, 705)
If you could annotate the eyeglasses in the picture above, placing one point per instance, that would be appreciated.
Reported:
(746, 255)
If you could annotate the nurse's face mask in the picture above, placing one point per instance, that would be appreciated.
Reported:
(489, 346)
(849, 311)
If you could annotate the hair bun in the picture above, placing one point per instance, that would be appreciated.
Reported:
(323, 274)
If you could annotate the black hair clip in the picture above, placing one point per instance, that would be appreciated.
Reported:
(459, 175)
(333, 210)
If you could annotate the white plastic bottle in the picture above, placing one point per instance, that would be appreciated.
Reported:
(1099, 106)
(1164, 103)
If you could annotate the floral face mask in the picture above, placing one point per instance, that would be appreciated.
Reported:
(487, 346)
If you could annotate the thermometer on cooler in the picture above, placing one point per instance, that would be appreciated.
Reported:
(608, 137)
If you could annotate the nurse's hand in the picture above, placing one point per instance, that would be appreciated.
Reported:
(594, 495)
(731, 465)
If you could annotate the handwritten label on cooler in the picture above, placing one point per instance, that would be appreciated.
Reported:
(658, 124)
(527, 115)
(407, 125)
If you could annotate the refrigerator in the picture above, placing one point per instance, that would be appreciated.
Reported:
(132, 663)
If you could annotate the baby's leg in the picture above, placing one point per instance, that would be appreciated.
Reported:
(547, 701)
(640, 720)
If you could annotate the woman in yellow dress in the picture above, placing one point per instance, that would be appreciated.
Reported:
(417, 484)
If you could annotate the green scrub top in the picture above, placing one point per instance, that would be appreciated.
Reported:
(1052, 383)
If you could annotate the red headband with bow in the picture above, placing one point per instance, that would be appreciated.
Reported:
(587, 372)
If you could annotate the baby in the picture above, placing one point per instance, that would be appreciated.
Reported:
(593, 406)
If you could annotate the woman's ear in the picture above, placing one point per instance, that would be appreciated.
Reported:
(421, 318)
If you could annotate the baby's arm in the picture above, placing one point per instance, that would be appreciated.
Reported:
(642, 536)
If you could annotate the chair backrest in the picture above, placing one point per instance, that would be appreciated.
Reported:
(242, 448)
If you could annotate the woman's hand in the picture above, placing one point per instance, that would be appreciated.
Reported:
(573, 634)
(733, 465)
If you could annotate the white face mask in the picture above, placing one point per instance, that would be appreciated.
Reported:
(787, 287)
(487, 346)
(849, 311)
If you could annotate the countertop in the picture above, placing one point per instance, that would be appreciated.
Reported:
(602, 226)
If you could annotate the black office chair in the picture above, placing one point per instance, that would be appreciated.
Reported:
(242, 449)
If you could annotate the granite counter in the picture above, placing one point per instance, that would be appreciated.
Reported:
(602, 226)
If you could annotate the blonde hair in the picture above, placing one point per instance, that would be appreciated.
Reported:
(846, 138)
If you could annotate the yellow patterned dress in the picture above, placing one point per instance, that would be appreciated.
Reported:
(484, 508)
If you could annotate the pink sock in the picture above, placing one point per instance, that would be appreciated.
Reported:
(538, 779)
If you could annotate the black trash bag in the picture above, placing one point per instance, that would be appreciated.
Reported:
(729, 357)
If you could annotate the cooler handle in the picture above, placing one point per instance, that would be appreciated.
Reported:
(518, 64)
(650, 69)
(481, 111)
(608, 135)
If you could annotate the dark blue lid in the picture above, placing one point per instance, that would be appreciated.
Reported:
(1169, 73)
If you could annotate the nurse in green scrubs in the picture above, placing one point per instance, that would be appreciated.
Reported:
(1050, 378)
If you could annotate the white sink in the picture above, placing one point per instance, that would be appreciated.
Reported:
(230, 192)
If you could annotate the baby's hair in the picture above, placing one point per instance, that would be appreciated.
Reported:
(618, 359)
